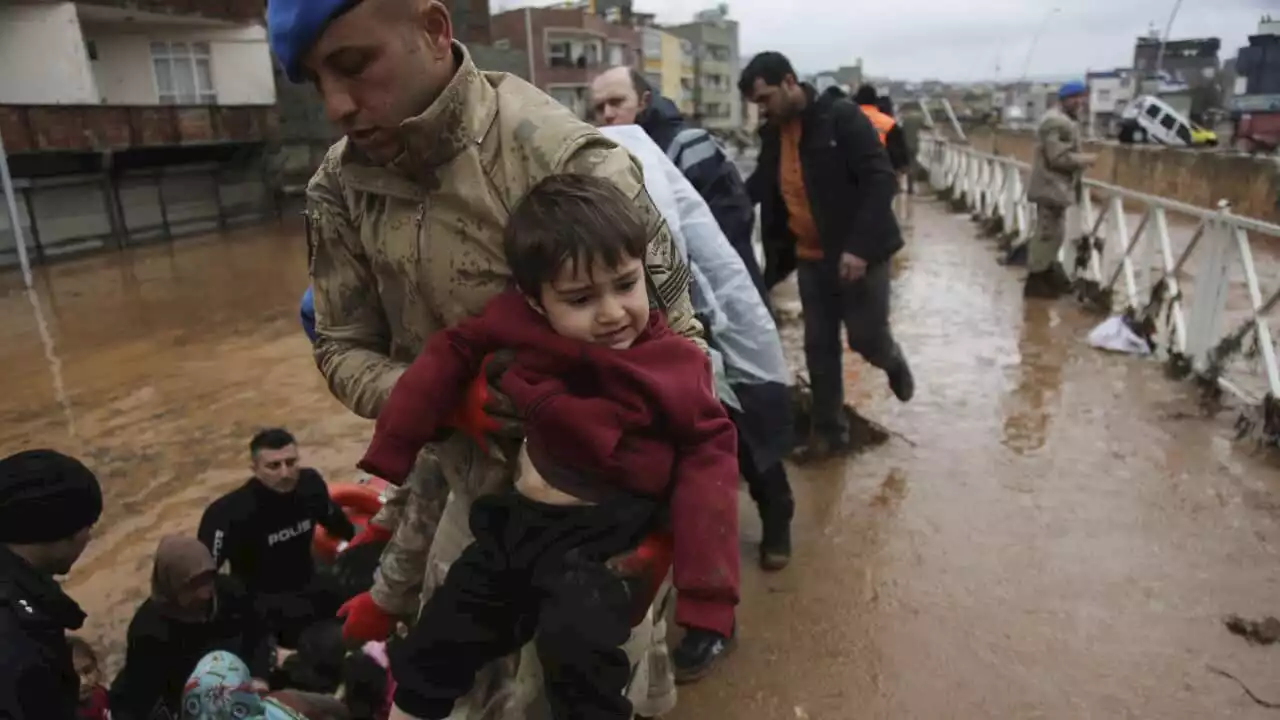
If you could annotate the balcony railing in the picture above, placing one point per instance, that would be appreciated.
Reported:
(94, 128)
(242, 10)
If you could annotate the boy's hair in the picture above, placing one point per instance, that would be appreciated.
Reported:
(317, 665)
(577, 219)
(80, 646)
(364, 684)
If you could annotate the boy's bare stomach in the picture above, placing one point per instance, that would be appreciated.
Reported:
(531, 484)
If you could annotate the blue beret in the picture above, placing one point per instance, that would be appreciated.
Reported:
(1071, 89)
(293, 26)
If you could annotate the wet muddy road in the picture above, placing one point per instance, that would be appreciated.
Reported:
(1054, 537)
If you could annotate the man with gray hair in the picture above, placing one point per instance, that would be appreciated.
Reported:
(622, 96)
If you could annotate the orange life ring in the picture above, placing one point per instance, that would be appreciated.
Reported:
(360, 501)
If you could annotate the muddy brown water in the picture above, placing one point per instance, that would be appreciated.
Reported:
(1060, 541)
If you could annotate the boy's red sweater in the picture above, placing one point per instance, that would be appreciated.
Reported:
(644, 418)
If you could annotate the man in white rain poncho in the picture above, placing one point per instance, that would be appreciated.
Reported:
(751, 373)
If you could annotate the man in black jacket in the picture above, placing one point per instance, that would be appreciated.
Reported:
(263, 529)
(622, 96)
(826, 189)
(48, 503)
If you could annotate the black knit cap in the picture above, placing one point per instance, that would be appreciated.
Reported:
(46, 496)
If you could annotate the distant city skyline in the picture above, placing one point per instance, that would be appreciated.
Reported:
(963, 42)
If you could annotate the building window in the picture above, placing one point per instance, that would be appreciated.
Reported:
(618, 55)
(560, 54)
(652, 44)
(718, 52)
(183, 73)
(572, 98)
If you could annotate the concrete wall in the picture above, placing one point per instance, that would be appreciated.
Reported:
(1199, 178)
(42, 57)
(72, 214)
(239, 58)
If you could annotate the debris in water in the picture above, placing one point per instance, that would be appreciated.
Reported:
(1257, 632)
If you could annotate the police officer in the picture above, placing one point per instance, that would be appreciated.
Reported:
(48, 503)
(263, 530)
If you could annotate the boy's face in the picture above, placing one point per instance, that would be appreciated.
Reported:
(88, 671)
(594, 303)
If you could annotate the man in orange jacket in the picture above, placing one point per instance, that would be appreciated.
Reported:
(895, 142)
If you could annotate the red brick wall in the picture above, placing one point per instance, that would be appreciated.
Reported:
(471, 21)
(510, 26)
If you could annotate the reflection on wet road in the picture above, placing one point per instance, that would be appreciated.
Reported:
(1056, 543)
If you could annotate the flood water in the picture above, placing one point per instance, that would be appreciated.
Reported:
(1054, 534)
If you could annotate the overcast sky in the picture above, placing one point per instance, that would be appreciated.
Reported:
(963, 39)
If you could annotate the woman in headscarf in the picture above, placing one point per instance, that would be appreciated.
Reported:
(191, 612)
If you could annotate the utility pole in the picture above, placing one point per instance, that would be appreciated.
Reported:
(1035, 40)
(1164, 39)
(15, 222)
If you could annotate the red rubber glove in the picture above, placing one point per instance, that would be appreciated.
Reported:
(370, 534)
(364, 621)
(471, 417)
(648, 564)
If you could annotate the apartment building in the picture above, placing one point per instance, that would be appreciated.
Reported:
(567, 46)
(668, 62)
(717, 104)
(131, 120)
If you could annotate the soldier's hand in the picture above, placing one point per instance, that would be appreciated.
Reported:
(505, 422)
(485, 410)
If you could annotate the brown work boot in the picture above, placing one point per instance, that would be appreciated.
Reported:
(1041, 285)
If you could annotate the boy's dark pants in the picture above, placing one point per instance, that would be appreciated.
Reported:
(535, 572)
(862, 307)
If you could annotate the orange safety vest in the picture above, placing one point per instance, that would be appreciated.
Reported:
(882, 123)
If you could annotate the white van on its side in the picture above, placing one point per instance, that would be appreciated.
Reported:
(1150, 119)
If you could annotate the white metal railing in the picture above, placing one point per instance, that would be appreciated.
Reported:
(1194, 287)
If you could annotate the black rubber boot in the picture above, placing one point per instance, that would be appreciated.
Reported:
(1041, 285)
(1060, 279)
(697, 654)
(775, 539)
(901, 381)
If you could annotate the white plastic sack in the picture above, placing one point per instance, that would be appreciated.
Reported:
(741, 326)
(1114, 335)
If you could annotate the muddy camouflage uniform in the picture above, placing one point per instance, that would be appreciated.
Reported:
(1056, 182)
(406, 250)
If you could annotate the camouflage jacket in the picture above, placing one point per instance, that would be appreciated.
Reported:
(1057, 171)
(402, 251)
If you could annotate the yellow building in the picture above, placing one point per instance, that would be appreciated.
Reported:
(669, 66)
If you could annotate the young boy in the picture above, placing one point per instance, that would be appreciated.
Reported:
(93, 696)
(621, 428)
